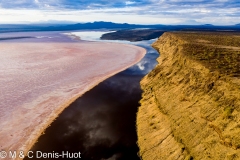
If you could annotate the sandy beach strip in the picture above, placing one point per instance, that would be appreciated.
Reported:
(39, 80)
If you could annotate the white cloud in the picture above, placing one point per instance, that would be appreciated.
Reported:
(130, 2)
(138, 15)
(47, 6)
(13, 15)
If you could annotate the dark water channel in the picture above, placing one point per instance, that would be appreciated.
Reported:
(101, 123)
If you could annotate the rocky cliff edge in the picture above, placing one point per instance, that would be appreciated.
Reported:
(190, 106)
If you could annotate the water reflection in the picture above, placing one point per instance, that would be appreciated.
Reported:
(149, 60)
(141, 68)
(101, 123)
(90, 35)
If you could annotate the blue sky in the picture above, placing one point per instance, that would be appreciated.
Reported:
(218, 12)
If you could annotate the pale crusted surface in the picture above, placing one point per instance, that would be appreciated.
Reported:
(187, 111)
(38, 80)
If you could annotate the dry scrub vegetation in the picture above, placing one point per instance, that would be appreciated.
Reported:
(190, 107)
(217, 50)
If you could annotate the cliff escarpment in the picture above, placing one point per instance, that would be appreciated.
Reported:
(190, 106)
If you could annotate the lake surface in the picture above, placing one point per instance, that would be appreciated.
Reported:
(101, 123)
(141, 68)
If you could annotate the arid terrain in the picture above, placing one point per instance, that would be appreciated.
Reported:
(39, 80)
(133, 34)
(190, 107)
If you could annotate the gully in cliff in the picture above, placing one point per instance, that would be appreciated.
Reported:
(190, 107)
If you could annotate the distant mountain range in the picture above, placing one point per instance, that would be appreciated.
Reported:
(107, 25)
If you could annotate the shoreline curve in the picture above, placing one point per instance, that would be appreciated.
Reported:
(28, 120)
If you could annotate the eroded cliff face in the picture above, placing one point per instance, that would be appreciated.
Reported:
(190, 109)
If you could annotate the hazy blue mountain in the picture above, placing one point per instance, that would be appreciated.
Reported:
(208, 25)
(107, 25)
